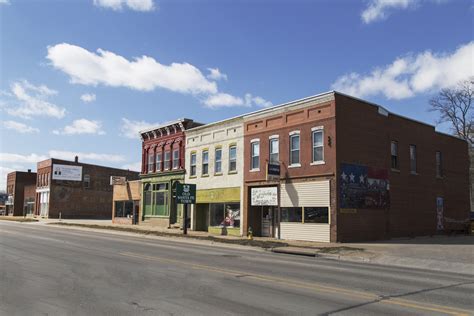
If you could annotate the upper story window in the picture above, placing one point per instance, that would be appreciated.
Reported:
(274, 150)
(233, 158)
(176, 159)
(413, 159)
(205, 162)
(218, 161)
(150, 161)
(255, 155)
(394, 154)
(192, 171)
(439, 164)
(167, 163)
(159, 157)
(294, 148)
(318, 145)
(87, 181)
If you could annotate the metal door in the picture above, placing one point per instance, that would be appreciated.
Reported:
(266, 221)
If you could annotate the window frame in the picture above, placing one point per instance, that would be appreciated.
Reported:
(413, 160)
(292, 135)
(439, 164)
(217, 162)
(86, 183)
(395, 166)
(232, 160)
(167, 162)
(205, 163)
(193, 167)
(274, 139)
(252, 155)
(150, 158)
(158, 163)
(175, 160)
(314, 130)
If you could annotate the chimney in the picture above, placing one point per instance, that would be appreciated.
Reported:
(76, 159)
(29, 170)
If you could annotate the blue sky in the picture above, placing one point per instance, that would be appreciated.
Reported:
(83, 76)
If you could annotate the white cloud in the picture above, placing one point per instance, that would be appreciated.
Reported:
(411, 75)
(131, 129)
(69, 155)
(27, 100)
(136, 5)
(142, 73)
(215, 74)
(81, 126)
(18, 158)
(223, 100)
(19, 127)
(4, 171)
(379, 9)
(88, 97)
(227, 100)
(258, 101)
(135, 166)
(4, 2)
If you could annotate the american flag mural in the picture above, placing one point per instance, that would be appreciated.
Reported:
(363, 187)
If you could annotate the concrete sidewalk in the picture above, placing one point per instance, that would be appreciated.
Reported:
(441, 253)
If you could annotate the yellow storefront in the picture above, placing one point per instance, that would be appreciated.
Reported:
(218, 211)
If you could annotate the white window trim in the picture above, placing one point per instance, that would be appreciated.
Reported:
(173, 167)
(255, 140)
(316, 162)
(273, 136)
(295, 165)
(294, 133)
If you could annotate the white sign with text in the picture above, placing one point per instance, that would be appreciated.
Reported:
(66, 172)
(264, 196)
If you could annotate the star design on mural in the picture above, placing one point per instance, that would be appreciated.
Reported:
(352, 177)
(344, 176)
(361, 178)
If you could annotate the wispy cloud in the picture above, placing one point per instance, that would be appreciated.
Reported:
(81, 126)
(27, 100)
(19, 127)
(411, 75)
(19, 158)
(131, 129)
(69, 155)
(215, 74)
(4, 2)
(135, 166)
(227, 100)
(117, 5)
(88, 97)
(379, 9)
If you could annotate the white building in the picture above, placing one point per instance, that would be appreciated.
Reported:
(214, 162)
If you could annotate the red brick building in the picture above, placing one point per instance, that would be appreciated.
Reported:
(71, 189)
(162, 167)
(351, 171)
(21, 193)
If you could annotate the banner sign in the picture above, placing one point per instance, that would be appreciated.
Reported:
(117, 180)
(264, 196)
(185, 193)
(67, 172)
(273, 172)
(363, 187)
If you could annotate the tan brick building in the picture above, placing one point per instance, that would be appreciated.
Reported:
(351, 171)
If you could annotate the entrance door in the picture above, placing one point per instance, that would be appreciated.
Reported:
(266, 221)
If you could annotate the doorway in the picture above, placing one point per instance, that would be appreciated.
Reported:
(267, 221)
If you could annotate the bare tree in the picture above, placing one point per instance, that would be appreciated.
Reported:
(454, 107)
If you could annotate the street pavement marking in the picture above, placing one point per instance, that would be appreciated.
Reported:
(313, 286)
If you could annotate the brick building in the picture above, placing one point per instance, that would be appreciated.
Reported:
(351, 171)
(126, 202)
(163, 149)
(71, 189)
(21, 193)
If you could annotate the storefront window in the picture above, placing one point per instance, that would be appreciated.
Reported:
(160, 207)
(156, 199)
(123, 208)
(291, 214)
(224, 215)
(316, 215)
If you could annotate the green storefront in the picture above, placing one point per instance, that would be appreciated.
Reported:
(158, 203)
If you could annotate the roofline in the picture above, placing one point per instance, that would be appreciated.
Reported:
(55, 160)
(197, 128)
(166, 124)
(398, 115)
(290, 103)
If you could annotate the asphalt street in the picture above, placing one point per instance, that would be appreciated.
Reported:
(50, 270)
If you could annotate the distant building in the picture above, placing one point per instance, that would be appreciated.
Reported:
(21, 193)
(163, 164)
(71, 189)
(126, 202)
(214, 162)
(351, 171)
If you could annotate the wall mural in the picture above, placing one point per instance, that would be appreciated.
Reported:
(363, 187)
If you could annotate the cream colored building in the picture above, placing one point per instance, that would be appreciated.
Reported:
(214, 162)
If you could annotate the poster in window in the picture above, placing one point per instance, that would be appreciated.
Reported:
(439, 213)
(363, 187)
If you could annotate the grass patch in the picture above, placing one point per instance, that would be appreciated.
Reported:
(20, 219)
